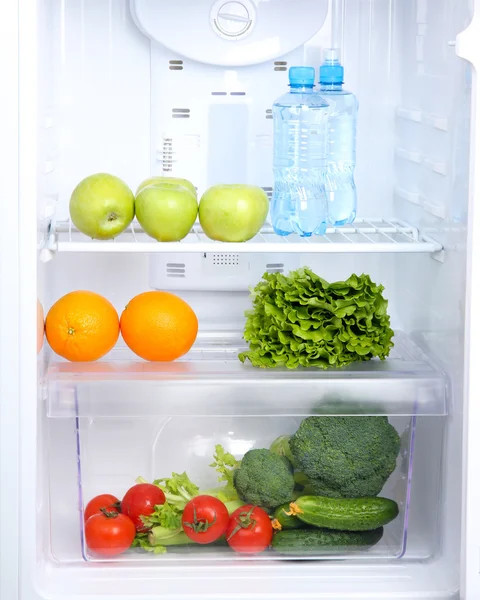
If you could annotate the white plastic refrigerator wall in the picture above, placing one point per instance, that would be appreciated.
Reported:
(143, 87)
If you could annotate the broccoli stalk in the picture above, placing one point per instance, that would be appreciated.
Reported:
(281, 446)
(301, 480)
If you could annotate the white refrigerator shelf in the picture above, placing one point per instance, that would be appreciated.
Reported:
(211, 381)
(363, 236)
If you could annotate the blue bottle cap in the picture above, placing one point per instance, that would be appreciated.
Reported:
(331, 72)
(302, 76)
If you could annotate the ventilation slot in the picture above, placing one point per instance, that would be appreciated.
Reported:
(219, 93)
(268, 114)
(280, 65)
(226, 260)
(167, 155)
(180, 113)
(175, 65)
(176, 270)
(237, 94)
(268, 191)
(275, 268)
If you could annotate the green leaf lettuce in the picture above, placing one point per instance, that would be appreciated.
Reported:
(301, 320)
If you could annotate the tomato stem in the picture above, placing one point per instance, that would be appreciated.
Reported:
(244, 521)
(110, 514)
(200, 525)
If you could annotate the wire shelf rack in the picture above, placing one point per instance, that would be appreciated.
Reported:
(375, 235)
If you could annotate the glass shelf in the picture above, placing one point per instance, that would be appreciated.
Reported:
(210, 380)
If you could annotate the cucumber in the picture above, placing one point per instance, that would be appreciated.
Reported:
(324, 541)
(286, 521)
(345, 514)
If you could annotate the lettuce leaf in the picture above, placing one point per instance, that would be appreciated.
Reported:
(178, 489)
(225, 464)
(165, 515)
(301, 320)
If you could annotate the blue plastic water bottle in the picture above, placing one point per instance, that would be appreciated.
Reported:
(300, 119)
(340, 183)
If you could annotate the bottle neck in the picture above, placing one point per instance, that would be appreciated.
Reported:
(301, 89)
(331, 87)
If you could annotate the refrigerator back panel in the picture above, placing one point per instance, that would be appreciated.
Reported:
(213, 124)
(216, 270)
(230, 33)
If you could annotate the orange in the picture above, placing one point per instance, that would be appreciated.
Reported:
(159, 326)
(40, 326)
(82, 326)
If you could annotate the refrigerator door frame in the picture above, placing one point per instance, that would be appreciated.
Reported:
(9, 309)
(18, 386)
(467, 47)
(25, 229)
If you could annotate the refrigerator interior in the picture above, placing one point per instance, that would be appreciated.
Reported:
(114, 98)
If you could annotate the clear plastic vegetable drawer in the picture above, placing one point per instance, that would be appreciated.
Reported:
(90, 456)
(326, 458)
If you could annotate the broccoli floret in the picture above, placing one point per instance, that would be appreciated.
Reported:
(264, 479)
(346, 457)
(357, 488)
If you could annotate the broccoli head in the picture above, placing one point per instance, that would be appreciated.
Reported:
(346, 457)
(264, 479)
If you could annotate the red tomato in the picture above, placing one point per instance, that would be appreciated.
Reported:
(205, 519)
(109, 533)
(249, 530)
(140, 501)
(106, 501)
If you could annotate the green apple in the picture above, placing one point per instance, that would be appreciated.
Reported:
(161, 180)
(233, 213)
(102, 206)
(166, 211)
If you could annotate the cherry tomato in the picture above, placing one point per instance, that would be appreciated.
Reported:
(249, 530)
(109, 533)
(106, 501)
(140, 501)
(205, 519)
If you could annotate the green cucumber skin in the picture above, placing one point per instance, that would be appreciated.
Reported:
(347, 514)
(324, 541)
(287, 521)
